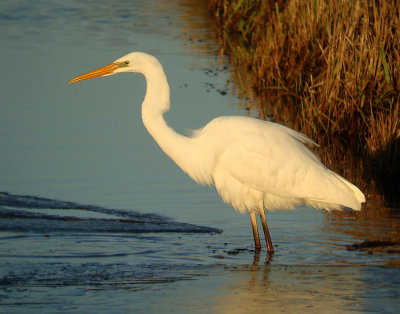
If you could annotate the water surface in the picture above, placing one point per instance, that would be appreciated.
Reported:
(85, 144)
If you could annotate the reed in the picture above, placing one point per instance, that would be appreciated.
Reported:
(335, 63)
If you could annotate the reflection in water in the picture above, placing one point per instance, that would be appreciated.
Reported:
(258, 253)
(262, 289)
(308, 289)
(375, 223)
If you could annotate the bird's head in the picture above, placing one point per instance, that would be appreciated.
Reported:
(132, 62)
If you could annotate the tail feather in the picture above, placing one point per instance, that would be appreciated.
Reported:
(359, 197)
(347, 196)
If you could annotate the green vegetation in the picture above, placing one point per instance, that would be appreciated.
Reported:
(331, 68)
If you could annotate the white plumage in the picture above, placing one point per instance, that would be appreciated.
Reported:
(255, 165)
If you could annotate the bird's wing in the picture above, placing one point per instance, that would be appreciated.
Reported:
(277, 162)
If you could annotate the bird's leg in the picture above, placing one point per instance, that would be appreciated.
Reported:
(255, 231)
(270, 248)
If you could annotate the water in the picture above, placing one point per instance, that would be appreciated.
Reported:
(85, 143)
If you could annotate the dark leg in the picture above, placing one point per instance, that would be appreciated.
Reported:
(255, 231)
(270, 248)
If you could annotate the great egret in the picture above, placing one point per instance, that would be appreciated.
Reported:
(255, 165)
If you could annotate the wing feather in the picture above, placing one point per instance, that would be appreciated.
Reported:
(271, 158)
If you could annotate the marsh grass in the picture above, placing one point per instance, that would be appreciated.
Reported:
(327, 68)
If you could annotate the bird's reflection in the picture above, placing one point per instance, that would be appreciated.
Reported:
(258, 253)
(291, 288)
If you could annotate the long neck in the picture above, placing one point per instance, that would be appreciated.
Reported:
(156, 102)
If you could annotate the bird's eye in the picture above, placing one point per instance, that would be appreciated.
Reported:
(123, 64)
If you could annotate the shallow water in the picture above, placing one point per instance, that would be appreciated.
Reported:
(85, 143)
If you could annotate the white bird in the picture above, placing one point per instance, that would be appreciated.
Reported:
(255, 165)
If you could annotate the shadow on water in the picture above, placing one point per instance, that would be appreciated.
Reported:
(387, 178)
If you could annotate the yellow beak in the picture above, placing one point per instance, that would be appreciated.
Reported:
(107, 69)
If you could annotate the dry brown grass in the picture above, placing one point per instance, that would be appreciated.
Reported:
(336, 65)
